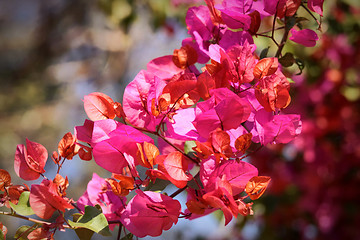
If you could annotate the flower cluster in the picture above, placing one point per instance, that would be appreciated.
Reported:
(207, 107)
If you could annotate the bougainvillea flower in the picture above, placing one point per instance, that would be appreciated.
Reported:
(228, 112)
(306, 37)
(185, 56)
(119, 148)
(139, 95)
(230, 39)
(282, 8)
(5, 179)
(45, 199)
(172, 167)
(222, 198)
(202, 29)
(84, 132)
(238, 173)
(30, 160)
(273, 92)
(99, 191)
(67, 147)
(235, 14)
(150, 213)
(316, 6)
(275, 129)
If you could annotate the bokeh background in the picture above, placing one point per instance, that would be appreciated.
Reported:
(54, 52)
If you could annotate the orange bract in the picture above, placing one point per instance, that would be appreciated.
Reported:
(196, 206)
(67, 147)
(265, 67)
(5, 179)
(185, 56)
(99, 106)
(243, 142)
(257, 186)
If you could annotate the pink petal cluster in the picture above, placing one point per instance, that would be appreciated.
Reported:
(150, 213)
(99, 192)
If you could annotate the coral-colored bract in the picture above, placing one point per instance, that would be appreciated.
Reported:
(190, 127)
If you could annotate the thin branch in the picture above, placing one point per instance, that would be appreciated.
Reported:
(312, 15)
(29, 219)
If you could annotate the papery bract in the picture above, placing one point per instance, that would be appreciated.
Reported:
(316, 6)
(99, 192)
(99, 106)
(5, 179)
(229, 112)
(275, 129)
(30, 160)
(67, 147)
(150, 213)
(237, 173)
(171, 167)
(45, 200)
(119, 149)
(257, 186)
(306, 37)
(222, 198)
(282, 8)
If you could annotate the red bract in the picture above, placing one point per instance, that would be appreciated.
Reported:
(45, 199)
(222, 198)
(5, 179)
(30, 160)
(272, 92)
(150, 213)
(67, 147)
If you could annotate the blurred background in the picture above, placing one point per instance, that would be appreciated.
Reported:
(53, 52)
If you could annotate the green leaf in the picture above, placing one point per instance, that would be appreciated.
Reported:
(290, 22)
(301, 65)
(287, 60)
(290, 80)
(23, 206)
(128, 236)
(158, 185)
(1, 235)
(82, 233)
(188, 147)
(94, 220)
(264, 53)
(22, 232)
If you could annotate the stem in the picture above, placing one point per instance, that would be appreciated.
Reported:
(119, 232)
(312, 15)
(180, 190)
(195, 160)
(283, 41)
(27, 231)
(29, 219)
